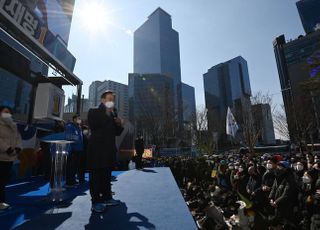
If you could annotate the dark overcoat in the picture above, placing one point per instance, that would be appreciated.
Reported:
(102, 150)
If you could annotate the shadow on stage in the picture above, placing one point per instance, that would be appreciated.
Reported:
(120, 219)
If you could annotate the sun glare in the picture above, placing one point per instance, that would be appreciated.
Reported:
(94, 16)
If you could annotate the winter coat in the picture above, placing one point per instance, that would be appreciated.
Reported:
(9, 137)
(102, 148)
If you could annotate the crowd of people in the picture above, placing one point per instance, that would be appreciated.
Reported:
(250, 192)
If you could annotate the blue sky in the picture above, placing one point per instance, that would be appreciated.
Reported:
(211, 32)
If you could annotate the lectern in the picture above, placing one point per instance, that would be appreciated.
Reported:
(59, 150)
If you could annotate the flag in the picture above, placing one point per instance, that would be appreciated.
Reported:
(231, 124)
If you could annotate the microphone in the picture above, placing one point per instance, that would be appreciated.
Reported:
(115, 113)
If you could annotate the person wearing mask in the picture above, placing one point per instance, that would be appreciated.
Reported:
(315, 218)
(306, 198)
(139, 146)
(74, 133)
(242, 180)
(104, 125)
(233, 178)
(254, 182)
(222, 175)
(269, 176)
(10, 146)
(283, 195)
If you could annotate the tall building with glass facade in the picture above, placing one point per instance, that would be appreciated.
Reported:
(189, 104)
(295, 67)
(227, 85)
(156, 50)
(262, 119)
(94, 97)
(309, 14)
(151, 101)
(71, 106)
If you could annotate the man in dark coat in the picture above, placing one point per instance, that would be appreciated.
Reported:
(139, 145)
(101, 158)
(283, 195)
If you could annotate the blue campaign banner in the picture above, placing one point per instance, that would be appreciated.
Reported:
(48, 21)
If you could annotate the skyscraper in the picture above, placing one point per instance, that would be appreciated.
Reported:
(309, 14)
(156, 50)
(71, 106)
(263, 122)
(93, 93)
(97, 88)
(227, 85)
(294, 62)
(151, 104)
(189, 103)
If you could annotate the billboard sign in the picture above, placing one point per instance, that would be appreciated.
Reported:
(48, 21)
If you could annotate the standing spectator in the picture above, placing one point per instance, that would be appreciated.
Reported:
(139, 145)
(10, 146)
(74, 133)
(283, 195)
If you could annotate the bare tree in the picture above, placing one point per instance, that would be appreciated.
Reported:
(280, 123)
(204, 138)
(251, 118)
(250, 131)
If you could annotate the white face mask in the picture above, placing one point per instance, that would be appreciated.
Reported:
(306, 179)
(85, 132)
(269, 166)
(299, 167)
(6, 115)
(109, 104)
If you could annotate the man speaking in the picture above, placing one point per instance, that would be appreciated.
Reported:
(105, 126)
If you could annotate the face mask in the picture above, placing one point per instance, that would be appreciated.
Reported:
(316, 167)
(240, 169)
(230, 167)
(85, 132)
(109, 104)
(6, 115)
(299, 167)
(269, 166)
(306, 179)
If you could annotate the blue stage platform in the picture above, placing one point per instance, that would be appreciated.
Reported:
(150, 200)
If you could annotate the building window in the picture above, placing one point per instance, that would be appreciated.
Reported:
(15, 93)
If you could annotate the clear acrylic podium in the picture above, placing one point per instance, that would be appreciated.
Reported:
(59, 153)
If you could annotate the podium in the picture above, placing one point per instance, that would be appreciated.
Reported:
(59, 150)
